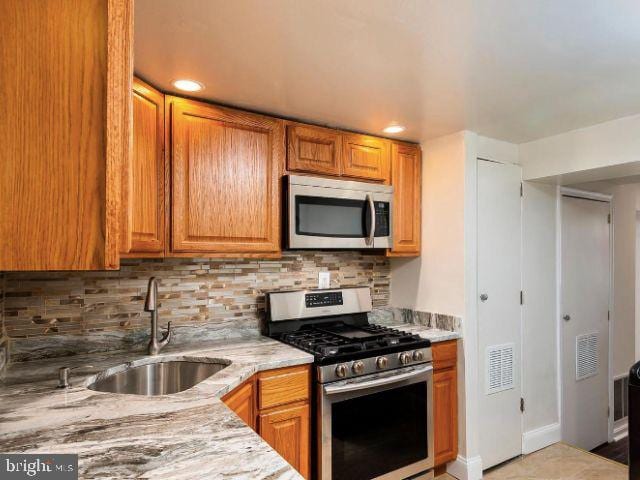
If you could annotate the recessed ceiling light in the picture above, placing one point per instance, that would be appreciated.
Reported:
(188, 85)
(394, 128)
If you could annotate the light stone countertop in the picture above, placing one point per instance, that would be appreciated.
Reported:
(433, 334)
(187, 435)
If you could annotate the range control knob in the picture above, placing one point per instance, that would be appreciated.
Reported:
(404, 358)
(382, 362)
(358, 367)
(418, 356)
(341, 370)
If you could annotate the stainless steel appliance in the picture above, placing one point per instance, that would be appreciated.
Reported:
(327, 213)
(373, 385)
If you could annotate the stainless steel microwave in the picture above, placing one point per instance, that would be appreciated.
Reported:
(330, 214)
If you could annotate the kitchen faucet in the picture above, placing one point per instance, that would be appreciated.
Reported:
(151, 305)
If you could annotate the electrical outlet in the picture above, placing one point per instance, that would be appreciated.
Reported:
(324, 279)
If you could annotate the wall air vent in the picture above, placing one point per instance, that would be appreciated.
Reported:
(586, 355)
(500, 365)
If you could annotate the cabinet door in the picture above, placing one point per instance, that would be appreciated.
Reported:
(225, 167)
(406, 174)
(242, 402)
(65, 92)
(143, 231)
(366, 157)
(445, 410)
(287, 431)
(313, 149)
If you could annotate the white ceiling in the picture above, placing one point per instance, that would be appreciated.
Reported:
(515, 70)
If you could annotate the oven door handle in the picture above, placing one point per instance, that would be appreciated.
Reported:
(351, 387)
(372, 226)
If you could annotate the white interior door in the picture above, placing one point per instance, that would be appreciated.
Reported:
(584, 324)
(499, 312)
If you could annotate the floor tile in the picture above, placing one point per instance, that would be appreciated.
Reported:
(556, 462)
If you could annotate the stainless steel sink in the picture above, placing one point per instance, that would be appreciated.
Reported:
(159, 378)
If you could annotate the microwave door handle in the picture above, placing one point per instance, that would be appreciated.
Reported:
(351, 387)
(372, 224)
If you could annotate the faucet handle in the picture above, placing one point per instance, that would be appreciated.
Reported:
(167, 335)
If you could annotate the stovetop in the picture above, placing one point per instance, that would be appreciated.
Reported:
(337, 342)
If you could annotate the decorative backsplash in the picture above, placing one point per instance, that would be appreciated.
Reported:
(228, 293)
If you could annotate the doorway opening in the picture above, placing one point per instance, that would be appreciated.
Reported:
(624, 307)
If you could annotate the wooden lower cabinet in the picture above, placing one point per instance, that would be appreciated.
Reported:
(286, 429)
(445, 401)
(242, 402)
(275, 403)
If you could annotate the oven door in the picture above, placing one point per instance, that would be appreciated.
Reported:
(376, 427)
(329, 216)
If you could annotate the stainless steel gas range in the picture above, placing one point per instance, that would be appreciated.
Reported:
(374, 407)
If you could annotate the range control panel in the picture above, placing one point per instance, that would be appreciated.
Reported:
(323, 299)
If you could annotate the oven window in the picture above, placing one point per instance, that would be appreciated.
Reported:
(331, 217)
(379, 433)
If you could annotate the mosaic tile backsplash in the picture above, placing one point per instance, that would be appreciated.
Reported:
(192, 291)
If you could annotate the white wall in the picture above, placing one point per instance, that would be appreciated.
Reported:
(539, 319)
(608, 144)
(434, 282)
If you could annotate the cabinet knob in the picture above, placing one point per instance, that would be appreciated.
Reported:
(566, 318)
(484, 297)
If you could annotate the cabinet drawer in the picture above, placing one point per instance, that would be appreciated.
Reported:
(444, 354)
(282, 386)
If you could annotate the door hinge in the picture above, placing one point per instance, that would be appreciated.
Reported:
(608, 316)
(522, 405)
(521, 190)
(609, 218)
(521, 297)
(608, 412)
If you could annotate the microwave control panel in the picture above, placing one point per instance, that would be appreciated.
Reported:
(382, 219)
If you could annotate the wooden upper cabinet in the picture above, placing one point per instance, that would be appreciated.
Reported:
(225, 173)
(406, 178)
(313, 149)
(366, 157)
(143, 229)
(65, 89)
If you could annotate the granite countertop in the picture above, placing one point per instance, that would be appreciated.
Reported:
(129, 436)
(433, 334)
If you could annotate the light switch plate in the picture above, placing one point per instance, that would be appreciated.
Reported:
(324, 279)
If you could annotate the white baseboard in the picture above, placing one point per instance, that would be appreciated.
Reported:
(541, 437)
(621, 430)
(466, 468)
